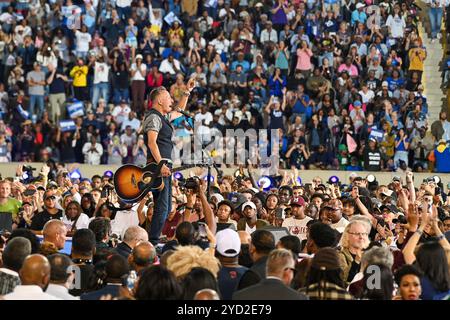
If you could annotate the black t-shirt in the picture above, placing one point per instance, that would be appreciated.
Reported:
(86, 274)
(41, 218)
(228, 279)
(57, 85)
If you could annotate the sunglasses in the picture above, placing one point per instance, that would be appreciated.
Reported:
(50, 198)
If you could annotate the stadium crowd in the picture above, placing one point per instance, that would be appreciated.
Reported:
(325, 240)
(341, 81)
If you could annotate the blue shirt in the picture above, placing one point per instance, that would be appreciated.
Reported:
(244, 63)
(358, 17)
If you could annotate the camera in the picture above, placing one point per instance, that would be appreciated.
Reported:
(191, 183)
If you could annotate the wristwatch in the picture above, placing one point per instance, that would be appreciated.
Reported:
(186, 93)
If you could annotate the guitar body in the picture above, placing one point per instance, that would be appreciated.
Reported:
(132, 183)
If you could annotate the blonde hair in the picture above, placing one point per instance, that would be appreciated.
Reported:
(185, 258)
(344, 239)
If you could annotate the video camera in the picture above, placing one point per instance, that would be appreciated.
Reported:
(191, 183)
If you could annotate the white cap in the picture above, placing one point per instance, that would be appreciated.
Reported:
(385, 84)
(139, 56)
(359, 5)
(249, 203)
(218, 196)
(228, 243)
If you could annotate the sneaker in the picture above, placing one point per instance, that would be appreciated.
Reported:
(439, 35)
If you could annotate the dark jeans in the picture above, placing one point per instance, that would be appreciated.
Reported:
(163, 205)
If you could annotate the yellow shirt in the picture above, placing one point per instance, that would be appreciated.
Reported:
(79, 75)
(416, 58)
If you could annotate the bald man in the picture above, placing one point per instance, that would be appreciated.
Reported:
(55, 232)
(206, 294)
(132, 236)
(35, 277)
(142, 256)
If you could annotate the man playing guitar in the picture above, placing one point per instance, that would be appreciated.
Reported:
(158, 130)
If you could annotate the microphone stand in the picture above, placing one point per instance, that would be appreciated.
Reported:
(210, 161)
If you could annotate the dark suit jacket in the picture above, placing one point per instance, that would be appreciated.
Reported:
(254, 274)
(269, 289)
(113, 290)
(123, 249)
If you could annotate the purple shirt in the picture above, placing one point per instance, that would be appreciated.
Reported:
(279, 17)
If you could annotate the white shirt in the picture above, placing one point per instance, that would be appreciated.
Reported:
(101, 72)
(82, 222)
(269, 36)
(120, 114)
(397, 25)
(199, 117)
(340, 225)
(30, 292)
(139, 75)
(366, 97)
(166, 66)
(221, 46)
(135, 124)
(248, 229)
(60, 292)
(194, 45)
(123, 3)
(91, 157)
(123, 220)
(297, 227)
(83, 39)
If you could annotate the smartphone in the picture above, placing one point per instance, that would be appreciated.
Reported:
(202, 230)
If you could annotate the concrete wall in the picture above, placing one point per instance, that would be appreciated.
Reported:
(9, 169)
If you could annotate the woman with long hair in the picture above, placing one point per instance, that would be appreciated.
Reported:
(74, 218)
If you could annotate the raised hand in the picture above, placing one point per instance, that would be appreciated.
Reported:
(191, 84)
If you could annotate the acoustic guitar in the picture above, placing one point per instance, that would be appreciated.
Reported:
(132, 182)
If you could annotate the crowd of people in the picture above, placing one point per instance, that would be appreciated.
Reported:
(342, 82)
(75, 239)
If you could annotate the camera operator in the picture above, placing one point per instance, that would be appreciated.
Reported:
(197, 204)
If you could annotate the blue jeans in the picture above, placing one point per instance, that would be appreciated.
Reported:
(36, 100)
(435, 15)
(121, 94)
(163, 205)
(102, 89)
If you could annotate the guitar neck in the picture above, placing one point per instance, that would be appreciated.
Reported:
(181, 168)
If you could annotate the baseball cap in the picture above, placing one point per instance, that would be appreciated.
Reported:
(259, 4)
(297, 201)
(249, 203)
(357, 103)
(52, 184)
(237, 199)
(387, 193)
(139, 56)
(359, 5)
(385, 84)
(228, 243)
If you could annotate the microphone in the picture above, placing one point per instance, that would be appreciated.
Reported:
(184, 113)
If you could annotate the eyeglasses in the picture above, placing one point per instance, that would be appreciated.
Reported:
(359, 234)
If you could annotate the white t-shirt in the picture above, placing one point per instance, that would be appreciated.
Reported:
(366, 97)
(138, 75)
(82, 222)
(297, 227)
(83, 40)
(207, 117)
(397, 25)
(248, 229)
(340, 225)
(123, 220)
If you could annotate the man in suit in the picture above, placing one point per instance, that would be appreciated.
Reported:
(260, 246)
(133, 235)
(116, 270)
(280, 272)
